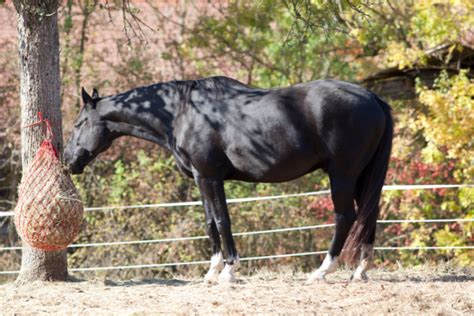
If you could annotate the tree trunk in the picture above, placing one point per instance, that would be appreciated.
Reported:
(38, 43)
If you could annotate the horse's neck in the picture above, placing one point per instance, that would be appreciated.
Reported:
(146, 113)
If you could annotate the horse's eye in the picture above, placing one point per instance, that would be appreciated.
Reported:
(78, 124)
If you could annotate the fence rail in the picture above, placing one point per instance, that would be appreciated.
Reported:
(189, 263)
(258, 232)
(263, 198)
(278, 230)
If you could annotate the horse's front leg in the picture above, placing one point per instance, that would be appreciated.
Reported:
(213, 195)
(217, 260)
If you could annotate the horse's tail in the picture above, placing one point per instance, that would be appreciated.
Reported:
(368, 192)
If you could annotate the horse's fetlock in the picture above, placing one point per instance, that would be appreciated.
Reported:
(233, 261)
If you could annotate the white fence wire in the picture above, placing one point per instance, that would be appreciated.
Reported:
(189, 263)
(258, 232)
(251, 199)
(262, 198)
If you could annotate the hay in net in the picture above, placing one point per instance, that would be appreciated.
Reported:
(49, 211)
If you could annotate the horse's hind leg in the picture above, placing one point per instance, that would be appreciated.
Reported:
(366, 252)
(342, 194)
(366, 258)
(367, 247)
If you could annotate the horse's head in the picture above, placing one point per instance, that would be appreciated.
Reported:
(90, 135)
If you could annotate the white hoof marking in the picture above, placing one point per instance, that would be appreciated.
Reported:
(365, 263)
(359, 275)
(217, 264)
(329, 265)
(227, 275)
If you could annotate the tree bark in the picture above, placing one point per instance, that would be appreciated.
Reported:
(38, 43)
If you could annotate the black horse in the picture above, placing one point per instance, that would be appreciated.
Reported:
(218, 129)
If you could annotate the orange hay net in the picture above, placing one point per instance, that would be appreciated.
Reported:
(49, 211)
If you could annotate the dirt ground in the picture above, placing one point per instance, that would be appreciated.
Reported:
(401, 292)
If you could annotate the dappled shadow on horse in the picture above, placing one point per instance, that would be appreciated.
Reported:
(219, 129)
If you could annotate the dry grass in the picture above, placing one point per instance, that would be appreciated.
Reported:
(417, 291)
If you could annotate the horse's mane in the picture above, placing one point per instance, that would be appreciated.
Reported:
(214, 87)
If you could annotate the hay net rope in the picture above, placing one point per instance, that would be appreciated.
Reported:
(49, 211)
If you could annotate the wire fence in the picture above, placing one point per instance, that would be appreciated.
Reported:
(251, 233)
(279, 256)
(261, 198)
(278, 230)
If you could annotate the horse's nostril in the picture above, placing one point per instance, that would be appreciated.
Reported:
(67, 157)
(73, 169)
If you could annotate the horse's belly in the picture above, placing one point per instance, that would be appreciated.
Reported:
(258, 168)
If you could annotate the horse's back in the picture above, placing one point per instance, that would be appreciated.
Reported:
(280, 134)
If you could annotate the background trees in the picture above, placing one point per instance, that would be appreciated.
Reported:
(268, 43)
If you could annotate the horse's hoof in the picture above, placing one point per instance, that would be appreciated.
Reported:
(316, 277)
(226, 279)
(211, 277)
(359, 276)
(328, 266)
(217, 265)
(227, 275)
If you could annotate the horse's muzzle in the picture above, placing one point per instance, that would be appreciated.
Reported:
(75, 169)
(76, 163)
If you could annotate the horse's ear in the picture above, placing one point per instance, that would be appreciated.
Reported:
(86, 98)
(95, 94)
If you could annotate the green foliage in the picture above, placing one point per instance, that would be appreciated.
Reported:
(68, 24)
(466, 197)
(424, 204)
(272, 43)
(440, 21)
(448, 124)
(400, 32)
